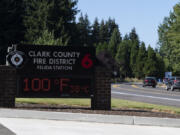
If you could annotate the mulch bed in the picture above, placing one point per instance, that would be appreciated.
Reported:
(76, 109)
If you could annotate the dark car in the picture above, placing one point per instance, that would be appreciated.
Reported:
(173, 83)
(150, 81)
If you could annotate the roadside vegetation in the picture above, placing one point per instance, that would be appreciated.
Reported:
(116, 104)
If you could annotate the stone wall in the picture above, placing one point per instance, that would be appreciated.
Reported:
(7, 86)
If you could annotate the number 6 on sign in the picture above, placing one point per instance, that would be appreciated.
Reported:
(87, 62)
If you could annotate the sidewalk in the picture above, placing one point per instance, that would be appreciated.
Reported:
(96, 118)
(27, 122)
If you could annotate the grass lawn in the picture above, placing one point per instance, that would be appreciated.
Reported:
(115, 103)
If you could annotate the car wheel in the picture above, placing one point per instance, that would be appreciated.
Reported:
(172, 88)
(154, 86)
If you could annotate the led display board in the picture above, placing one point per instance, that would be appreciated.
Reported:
(53, 71)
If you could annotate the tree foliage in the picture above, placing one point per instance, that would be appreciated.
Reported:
(134, 50)
(115, 40)
(141, 61)
(150, 68)
(84, 31)
(169, 40)
(123, 58)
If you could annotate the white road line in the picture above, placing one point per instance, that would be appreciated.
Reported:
(139, 95)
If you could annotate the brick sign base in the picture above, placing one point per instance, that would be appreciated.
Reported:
(7, 86)
(101, 99)
(102, 92)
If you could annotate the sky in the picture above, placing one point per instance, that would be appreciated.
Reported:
(144, 15)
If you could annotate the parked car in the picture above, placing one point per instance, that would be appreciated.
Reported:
(173, 83)
(150, 81)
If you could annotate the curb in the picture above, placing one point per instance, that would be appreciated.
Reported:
(98, 118)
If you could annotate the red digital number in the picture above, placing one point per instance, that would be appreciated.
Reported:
(37, 84)
(26, 88)
(43, 81)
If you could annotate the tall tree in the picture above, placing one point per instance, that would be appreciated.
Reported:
(61, 19)
(84, 31)
(123, 58)
(140, 61)
(133, 35)
(114, 42)
(161, 69)
(103, 33)
(174, 40)
(169, 40)
(165, 48)
(111, 24)
(95, 31)
(35, 18)
(150, 68)
(134, 49)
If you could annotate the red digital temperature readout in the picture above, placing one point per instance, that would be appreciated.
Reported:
(54, 87)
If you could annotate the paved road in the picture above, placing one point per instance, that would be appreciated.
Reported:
(146, 94)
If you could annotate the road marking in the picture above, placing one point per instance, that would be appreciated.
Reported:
(139, 95)
(162, 86)
(134, 86)
(116, 85)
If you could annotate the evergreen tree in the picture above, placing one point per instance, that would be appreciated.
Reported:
(84, 30)
(35, 19)
(133, 36)
(150, 68)
(161, 69)
(47, 38)
(169, 39)
(140, 61)
(123, 58)
(55, 16)
(134, 50)
(126, 37)
(100, 47)
(61, 19)
(103, 33)
(95, 31)
(165, 48)
(114, 42)
(111, 24)
(174, 40)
